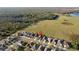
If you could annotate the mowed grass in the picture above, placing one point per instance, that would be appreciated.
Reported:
(55, 28)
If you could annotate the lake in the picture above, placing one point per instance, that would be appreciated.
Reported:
(74, 14)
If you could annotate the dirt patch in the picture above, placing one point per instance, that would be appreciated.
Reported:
(74, 37)
(67, 23)
(65, 20)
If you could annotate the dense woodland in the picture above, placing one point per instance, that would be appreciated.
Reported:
(10, 23)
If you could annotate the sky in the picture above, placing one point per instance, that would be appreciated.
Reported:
(39, 3)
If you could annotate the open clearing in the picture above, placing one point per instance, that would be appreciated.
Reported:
(55, 28)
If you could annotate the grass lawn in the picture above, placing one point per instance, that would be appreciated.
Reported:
(61, 28)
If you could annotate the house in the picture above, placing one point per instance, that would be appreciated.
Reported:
(23, 43)
(69, 44)
(32, 35)
(32, 43)
(37, 46)
(22, 33)
(33, 47)
(2, 47)
(36, 35)
(66, 45)
(13, 39)
(11, 48)
(47, 48)
(55, 40)
(42, 48)
(59, 43)
(53, 48)
(50, 40)
(45, 39)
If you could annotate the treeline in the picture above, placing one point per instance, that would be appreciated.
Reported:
(10, 23)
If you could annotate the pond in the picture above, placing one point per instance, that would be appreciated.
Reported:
(74, 14)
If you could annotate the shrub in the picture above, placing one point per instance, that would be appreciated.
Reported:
(75, 40)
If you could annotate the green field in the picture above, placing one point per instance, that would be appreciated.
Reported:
(64, 28)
